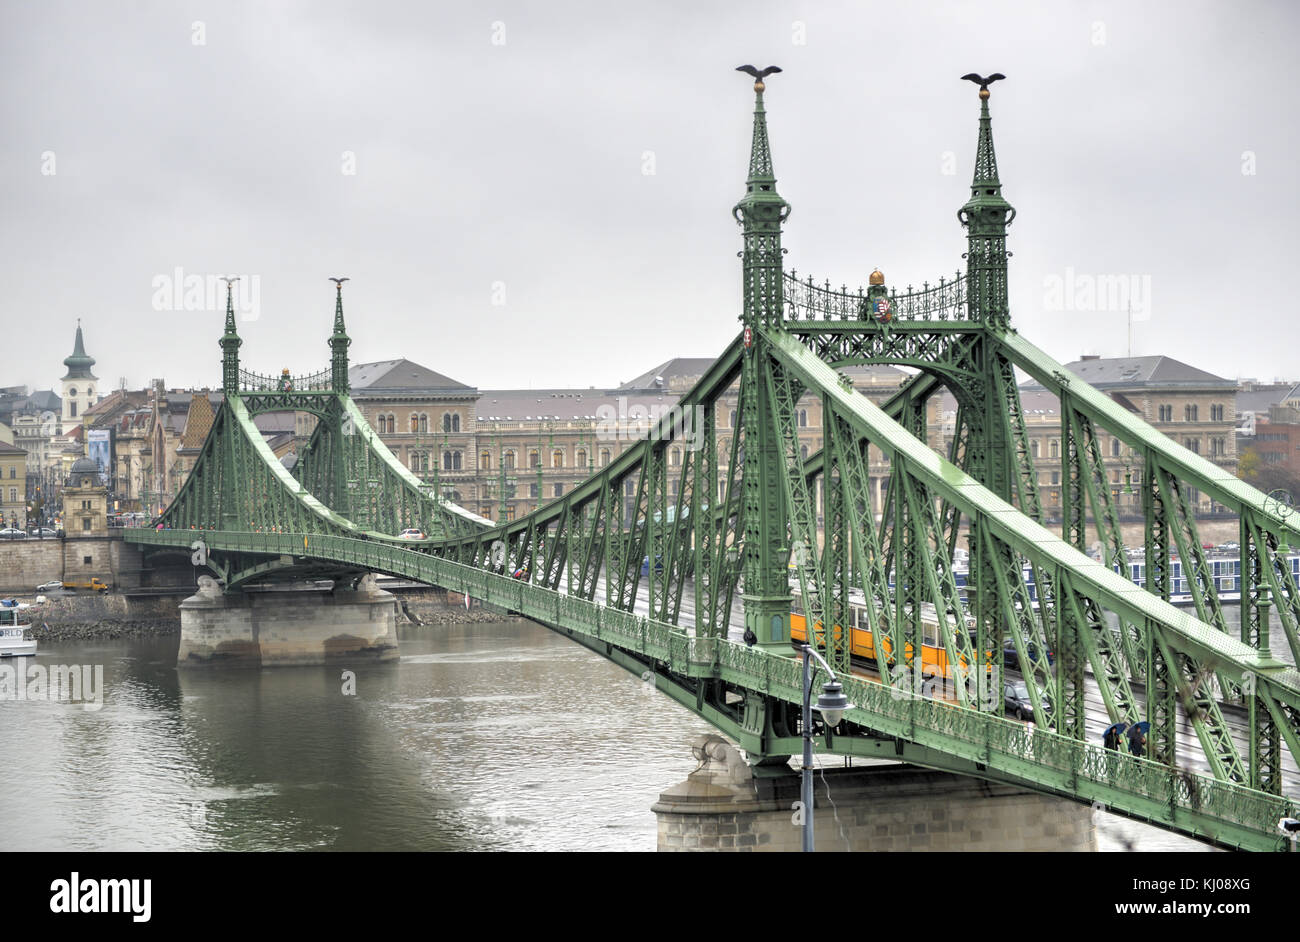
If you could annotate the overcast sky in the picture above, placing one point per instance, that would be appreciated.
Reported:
(539, 194)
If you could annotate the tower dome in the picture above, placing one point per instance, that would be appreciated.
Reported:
(79, 363)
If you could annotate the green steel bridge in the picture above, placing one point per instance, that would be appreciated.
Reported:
(1224, 714)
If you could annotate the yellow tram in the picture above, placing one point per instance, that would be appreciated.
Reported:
(862, 643)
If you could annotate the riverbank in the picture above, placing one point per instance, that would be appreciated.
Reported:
(428, 609)
(110, 616)
(102, 616)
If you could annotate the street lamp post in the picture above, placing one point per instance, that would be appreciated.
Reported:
(831, 703)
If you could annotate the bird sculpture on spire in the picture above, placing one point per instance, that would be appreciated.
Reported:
(758, 75)
(983, 82)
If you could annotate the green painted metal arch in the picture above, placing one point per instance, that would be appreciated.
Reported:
(1224, 487)
(1045, 548)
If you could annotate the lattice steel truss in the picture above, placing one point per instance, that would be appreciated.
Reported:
(775, 531)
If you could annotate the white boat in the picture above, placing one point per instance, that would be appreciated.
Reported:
(13, 640)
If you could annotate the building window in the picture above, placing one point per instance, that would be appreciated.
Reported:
(13, 494)
(1189, 413)
(456, 460)
(559, 490)
(1166, 413)
(557, 458)
(1056, 477)
(72, 409)
(581, 460)
(451, 422)
(533, 490)
(1114, 447)
(1056, 448)
(1192, 444)
(1217, 446)
(675, 457)
(510, 460)
(1216, 413)
(485, 461)
(1033, 448)
(604, 457)
(534, 459)
(803, 452)
(732, 421)
(85, 524)
(803, 418)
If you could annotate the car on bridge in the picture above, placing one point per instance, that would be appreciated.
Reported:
(411, 533)
(41, 533)
(49, 586)
(1015, 698)
(12, 533)
(1012, 660)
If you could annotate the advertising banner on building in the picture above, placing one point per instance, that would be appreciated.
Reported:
(99, 448)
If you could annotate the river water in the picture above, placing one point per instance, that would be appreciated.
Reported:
(487, 736)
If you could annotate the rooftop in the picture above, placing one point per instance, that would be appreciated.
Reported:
(1129, 372)
(393, 375)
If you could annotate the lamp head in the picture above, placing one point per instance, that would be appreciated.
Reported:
(832, 703)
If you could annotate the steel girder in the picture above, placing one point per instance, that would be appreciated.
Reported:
(700, 671)
(1183, 649)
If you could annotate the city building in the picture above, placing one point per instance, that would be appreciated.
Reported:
(13, 486)
(85, 500)
(504, 452)
(1194, 408)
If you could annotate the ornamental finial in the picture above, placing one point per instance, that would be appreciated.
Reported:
(983, 82)
(758, 76)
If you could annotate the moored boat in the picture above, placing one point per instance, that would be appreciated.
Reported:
(13, 639)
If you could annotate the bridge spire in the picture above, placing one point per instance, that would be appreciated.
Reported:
(760, 213)
(765, 517)
(230, 344)
(986, 216)
(339, 342)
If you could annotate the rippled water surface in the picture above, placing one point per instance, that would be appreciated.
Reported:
(482, 737)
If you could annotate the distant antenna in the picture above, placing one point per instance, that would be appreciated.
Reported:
(121, 383)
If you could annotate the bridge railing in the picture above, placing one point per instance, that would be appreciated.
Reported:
(1143, 788)
(307, 382)
(806, 300)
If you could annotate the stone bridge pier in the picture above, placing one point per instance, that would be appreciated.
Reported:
(285, 626)
(724, 806)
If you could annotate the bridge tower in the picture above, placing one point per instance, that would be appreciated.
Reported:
(339, 383)
(229, 344)
(985, 217)
(339, 343)
(760, 213)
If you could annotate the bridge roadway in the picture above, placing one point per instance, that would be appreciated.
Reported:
(1190, 754)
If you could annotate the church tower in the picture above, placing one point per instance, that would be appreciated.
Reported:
(78, 385)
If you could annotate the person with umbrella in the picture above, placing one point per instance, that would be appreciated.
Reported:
(1110, 738)
(1137, 738)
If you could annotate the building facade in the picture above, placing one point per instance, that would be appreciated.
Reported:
(13, 486)
(502, 453)
(1194, 408)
